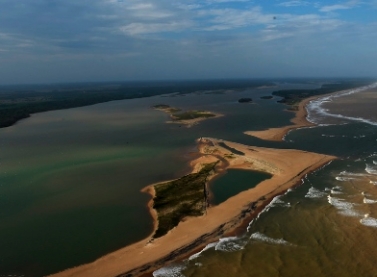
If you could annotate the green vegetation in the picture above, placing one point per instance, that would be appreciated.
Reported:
(180, 198)
(192, 115)
(161, 106)
(294, 96)
(231, 149)
(166, 108)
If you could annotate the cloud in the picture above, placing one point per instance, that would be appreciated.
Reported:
(343, 6)
(294, 3)
(148, 28)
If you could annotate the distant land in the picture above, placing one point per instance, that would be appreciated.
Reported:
(20, 101)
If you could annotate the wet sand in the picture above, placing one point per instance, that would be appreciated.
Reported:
(287, 166)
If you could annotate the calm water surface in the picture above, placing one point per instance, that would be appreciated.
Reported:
(233, 182)
(70, 180)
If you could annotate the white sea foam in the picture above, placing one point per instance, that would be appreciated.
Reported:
(344, 207)
(230, 244)
(209, 246)
(369, 221)
(275, 202)
(315, 193)
(261, 237)
(374, 162)
(346, 173)
(344, 179)
(336, 190)
(170, 271)
(369, 201)
(373, 182)
(315, 106)
(371, 169)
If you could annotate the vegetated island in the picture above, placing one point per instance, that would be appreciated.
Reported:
(297, 100)
(245, 100)
(186, 224)
(187, 118)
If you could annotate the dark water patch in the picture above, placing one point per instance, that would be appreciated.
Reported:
(231, 149)
(234, 182)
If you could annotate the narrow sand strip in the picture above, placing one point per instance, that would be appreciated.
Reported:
(287, 166)
(299, 121)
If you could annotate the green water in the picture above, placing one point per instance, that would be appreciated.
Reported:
(70, 184)
(233, 182)
(70, 180)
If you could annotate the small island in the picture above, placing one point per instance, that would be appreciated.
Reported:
(187, 118)
(245, 100)
(267, 97)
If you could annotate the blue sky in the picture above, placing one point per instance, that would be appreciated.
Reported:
(118, 40)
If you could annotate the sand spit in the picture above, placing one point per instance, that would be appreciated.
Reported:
(299, 121)
(288, 167)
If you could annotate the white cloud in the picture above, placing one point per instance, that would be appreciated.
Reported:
(225, 19)
(148, 28)
(294, 3)
(343, 6)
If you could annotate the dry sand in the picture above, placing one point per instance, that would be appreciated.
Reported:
(299, 121)
(288, 167)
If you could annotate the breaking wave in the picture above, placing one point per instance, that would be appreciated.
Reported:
(170, 271)
(371, 169)
(344, 207)
(369, 221)
(230, 244)
(315, 193)
(315, 106)
(263, 238)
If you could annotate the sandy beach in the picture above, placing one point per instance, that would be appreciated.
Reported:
(287, 166)
(299, 121)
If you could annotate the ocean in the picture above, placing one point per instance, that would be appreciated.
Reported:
(325, 227)
(70, 184)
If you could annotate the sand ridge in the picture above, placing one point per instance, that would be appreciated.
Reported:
(287, 166)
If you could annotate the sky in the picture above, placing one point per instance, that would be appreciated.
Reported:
(48, 41)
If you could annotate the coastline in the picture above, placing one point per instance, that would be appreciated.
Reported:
(299, 121)
(287, 166)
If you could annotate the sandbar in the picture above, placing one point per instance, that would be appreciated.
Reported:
(287, 168)
(299, 121)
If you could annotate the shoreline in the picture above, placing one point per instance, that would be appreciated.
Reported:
(299, 121)
(186, 122)
(287, 166)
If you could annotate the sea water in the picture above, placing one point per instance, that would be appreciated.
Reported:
(70, 184)
(325, 227)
